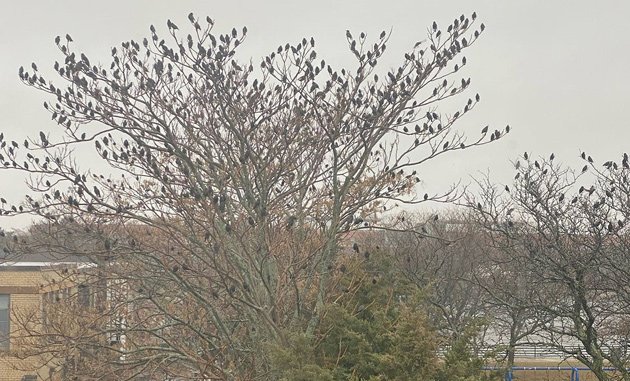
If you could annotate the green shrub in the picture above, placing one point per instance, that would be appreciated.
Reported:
(374, 328)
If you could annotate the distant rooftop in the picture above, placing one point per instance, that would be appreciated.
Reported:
(40, 259)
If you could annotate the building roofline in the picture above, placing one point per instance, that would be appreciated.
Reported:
(11, 264)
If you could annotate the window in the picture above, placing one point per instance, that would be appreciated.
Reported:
(4, 321)
(84, 296)
(116, 335)
(47, 300)
(52, 298)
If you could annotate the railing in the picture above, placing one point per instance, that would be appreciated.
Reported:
(575, 371)
(545, 352)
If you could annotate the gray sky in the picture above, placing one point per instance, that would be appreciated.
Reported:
(556, 71)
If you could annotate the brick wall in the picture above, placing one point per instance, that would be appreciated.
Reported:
(24, 288)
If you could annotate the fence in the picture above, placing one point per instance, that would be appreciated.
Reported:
(541, 351)
(575, 371)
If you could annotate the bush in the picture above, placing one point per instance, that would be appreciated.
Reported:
(375, 328)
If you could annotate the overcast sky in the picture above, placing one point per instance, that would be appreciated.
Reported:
(556, 71)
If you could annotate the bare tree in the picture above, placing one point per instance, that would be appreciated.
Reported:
(566, 234)
(227, 186)
(470, 283)
(441, 255)
(505, 285)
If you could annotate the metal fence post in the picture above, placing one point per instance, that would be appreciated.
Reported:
(508, 375)
(575, 374)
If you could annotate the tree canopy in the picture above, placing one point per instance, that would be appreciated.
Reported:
(229, 187)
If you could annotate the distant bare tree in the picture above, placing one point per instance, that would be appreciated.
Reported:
(504, 286)
(227, 186)
(470, 281)
(442, 255)
(567, 235)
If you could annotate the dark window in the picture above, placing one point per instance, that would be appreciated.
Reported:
(47, 300)
(29, 377)
(4, 321)
(84, 296)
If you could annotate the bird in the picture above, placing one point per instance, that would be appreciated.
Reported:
(291, 221)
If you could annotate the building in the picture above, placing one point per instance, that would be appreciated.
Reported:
(25, 284)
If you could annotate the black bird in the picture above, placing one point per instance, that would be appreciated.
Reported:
(355, 247)
(291, 221)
